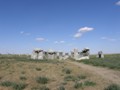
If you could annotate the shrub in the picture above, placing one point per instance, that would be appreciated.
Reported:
(67, 71)
(23, 72)
(89, 83)
(81, 77)
(70, 78)
(16, 86)
(113, 87)
(42, 80)
(61, 88)
(23, 78)
(0, 78)
(6, 84)
(19, 86)
(44, 88)
(38, 69)
(40, 88)
(78, 85)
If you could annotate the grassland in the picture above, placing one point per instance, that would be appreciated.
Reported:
(111, 61)
(22, 73)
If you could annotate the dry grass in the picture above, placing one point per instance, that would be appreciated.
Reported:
(13, 71)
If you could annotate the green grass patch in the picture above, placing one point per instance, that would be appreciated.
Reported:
(19, 86)
(61, 88)
(78, 85)
(67, 71)
(40, 88)
(6, 83)
(70, 78)
(110, 61)
(38, 69)
(89, 83)
(42, 80)
(23, 78)
(81, 77)
(14, 85)
(113, 87)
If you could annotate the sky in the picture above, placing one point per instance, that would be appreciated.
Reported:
(61, 25)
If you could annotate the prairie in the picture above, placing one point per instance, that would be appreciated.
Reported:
(22, 73)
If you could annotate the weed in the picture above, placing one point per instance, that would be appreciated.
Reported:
(19, 86)
(70, 78)
(78, 85)
(113, 87)
(38, 69)
(82, 77)
(23, 72)
(23, 78)
(42, 80)
(67, 71)
(61, 88)
(16, 86)
(44, 88)
(6, 84)
(89, 83)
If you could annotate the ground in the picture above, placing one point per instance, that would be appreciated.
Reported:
(21, 73)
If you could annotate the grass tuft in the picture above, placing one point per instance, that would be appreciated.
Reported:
(89, 83)
(78, 85)
(70, 78)
(42, 80)
(67, 71)
(6, 84)
(61, 88)
(82, 77)
(23, 78)
(19, 86)
(38, 69)
(113, 87)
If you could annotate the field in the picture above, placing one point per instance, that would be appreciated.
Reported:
(111, 61)
(22, 73)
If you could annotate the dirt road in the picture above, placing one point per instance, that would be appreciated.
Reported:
(107, 74)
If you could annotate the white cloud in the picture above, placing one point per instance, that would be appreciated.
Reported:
(83, 30)
(40, 39)
(59, 42)
(77, 35)
(108, 39)
(118, 3)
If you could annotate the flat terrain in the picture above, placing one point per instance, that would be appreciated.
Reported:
(22, 73)
(108, 74)
(111, 61)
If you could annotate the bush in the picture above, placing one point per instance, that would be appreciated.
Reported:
(70, 78)
(40, 88)
(78, 85)
(67, 71)
(38, 69)
(6, 84)
(44, 88)
(42, 80)
(23, 72)
(61, 88)
(82, 77)
(113, 87)
(23, 78)
(19, 86)
(16, 86)
(89, 83)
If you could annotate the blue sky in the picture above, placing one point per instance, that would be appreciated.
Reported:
(60, 25)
